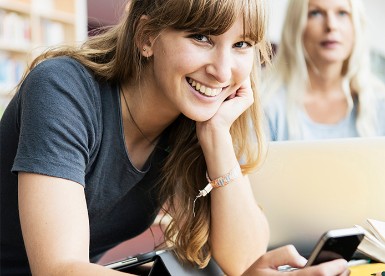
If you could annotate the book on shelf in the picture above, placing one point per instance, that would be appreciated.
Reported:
(373, 244)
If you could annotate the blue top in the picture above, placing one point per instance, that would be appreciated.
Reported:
(276, 115)
(65, 123)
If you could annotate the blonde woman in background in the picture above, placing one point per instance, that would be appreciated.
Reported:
(320, 85)
(99, 138)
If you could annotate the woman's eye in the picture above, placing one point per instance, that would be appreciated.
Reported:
(314, 13)
(343, 13)
(200, 37)
(242, 44)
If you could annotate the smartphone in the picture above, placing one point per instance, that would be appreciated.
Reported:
(336, 244)
(134, 261)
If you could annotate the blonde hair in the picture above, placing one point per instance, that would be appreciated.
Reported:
(114, 55)
(289, 69)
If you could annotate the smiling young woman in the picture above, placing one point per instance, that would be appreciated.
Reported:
(147, 114)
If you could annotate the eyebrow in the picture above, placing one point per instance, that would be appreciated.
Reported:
(316, 6)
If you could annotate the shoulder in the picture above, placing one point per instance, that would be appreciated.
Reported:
(61, 63)
(274, 101)
(378, 93)
(58, 77)
(61, 69)
(63, 88)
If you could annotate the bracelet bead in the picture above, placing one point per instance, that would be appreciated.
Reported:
(225, 179)
(219, 182)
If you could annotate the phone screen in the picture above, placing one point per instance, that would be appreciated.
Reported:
(338, 247)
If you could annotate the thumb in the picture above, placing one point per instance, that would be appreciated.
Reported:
(335, 267)
(286, 255)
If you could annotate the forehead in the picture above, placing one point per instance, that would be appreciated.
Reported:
(330, 4)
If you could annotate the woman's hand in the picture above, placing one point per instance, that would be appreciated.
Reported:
(229, 111)
(234, 105)
(268, 264)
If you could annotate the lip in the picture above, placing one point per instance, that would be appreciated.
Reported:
(329, 43)
(219, 90)
(205, 98)
(205, 84)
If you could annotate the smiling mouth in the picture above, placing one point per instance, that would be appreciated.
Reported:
(204, 90)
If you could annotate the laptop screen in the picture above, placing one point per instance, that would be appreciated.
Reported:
(308, 187)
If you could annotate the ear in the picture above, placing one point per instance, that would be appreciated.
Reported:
(144, 41)
(147, 50)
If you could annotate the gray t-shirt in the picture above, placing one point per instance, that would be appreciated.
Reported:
(63, 122)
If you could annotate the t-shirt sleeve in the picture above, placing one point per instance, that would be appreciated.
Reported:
(58, 118)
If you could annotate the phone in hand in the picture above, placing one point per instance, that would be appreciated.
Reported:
(336, 244)
(134, 261)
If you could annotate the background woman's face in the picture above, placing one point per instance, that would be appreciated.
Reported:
(329, 33)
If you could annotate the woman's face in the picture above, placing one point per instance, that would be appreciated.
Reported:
(194, 73)
(329, 34)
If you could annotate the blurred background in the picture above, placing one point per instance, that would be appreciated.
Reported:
(28, 27)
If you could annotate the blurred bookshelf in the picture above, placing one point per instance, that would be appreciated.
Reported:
(28, 27)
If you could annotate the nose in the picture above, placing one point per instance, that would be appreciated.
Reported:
(331, 22)
(220, 65)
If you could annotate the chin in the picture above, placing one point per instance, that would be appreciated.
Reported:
(199, 117)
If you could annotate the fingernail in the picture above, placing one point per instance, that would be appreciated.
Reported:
(303, 261)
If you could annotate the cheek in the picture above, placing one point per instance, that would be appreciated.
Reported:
(350, 36)
(310, 44)
(307, 37)
(174, 60)
(243, 67)
(312, 32)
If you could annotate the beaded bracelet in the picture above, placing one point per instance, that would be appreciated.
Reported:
(219, 182)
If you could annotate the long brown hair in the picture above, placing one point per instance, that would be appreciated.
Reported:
(114, 55)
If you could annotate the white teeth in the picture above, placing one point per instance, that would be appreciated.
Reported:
(203, 89)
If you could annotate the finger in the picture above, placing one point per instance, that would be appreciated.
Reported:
(286, 255)
(335, 267)
(245, 89)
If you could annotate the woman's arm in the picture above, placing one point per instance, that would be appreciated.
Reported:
(55, 227)
(239, 230)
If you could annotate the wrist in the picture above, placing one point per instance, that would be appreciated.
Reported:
(217, 146)
(219, 182)
(209, 135)
(223, 180)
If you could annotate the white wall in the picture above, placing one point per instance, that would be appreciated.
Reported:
(375, 10)
(277, 10)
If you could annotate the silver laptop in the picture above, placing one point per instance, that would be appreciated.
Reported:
(308, 187)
